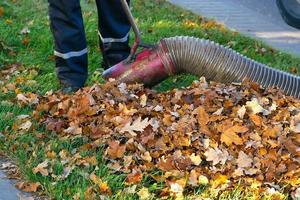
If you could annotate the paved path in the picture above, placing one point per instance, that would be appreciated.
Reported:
(256, 18)
(8, 191)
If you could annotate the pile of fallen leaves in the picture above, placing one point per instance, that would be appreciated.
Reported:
(212, 135)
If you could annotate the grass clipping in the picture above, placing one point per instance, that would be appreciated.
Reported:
(211, 135)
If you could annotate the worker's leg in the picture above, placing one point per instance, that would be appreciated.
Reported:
(70, 43)
(113, 31)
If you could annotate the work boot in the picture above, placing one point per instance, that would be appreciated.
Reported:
(67, 88)
(113, 53)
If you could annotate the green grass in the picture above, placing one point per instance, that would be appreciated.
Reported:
(156, 19)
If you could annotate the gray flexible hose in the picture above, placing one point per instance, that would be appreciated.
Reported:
(216, 62)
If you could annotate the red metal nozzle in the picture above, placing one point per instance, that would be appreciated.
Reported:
(150, 67)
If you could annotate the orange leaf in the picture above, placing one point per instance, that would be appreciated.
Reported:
(92, 160)
(25, 41)
(51, 154)
(28, 187)
(230, 136)
(104, 188)
(134, 178)
(257, 120)
(1, 11)
(271, 132)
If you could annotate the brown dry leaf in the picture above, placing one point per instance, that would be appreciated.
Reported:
(136, 126)
(293, 70)
(22, 98)
(42, 168)
(1, 11)
(244, 161)
(292, 147)
(89, 194)
(254, 106)
(73, 129)
(28, 187)
(177, 188)
(91, 160)
(193, 178)
(25, 126)
(96, 180)
(126, 111)
(134, 178)
(143, 100)
(167, 120)
(29, 98)
(11, 86)
(115, 150)
(296, 128)
(217, 156)
(51, 154)
(230, 136)
(166, 164)
(180, 128)
(271, 132)
(203, 117)
(25, 30)
(25, 41)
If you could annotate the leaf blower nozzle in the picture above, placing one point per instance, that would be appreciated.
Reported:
(150, 67)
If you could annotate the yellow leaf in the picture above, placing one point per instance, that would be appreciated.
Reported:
(146, 156)
(202, 180)
(8, 21)
(219, 180)
(196, 159)
(144, 193)
(104, 188)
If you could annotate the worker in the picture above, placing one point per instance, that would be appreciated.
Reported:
(70, 43)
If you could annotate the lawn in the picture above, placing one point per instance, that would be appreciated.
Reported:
(26, 57)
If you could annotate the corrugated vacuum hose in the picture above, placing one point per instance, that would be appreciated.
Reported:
(202, 58)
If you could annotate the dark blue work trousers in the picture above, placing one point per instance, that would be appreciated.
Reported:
(69, 35)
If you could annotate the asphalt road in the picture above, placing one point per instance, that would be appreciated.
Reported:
(256, 18)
